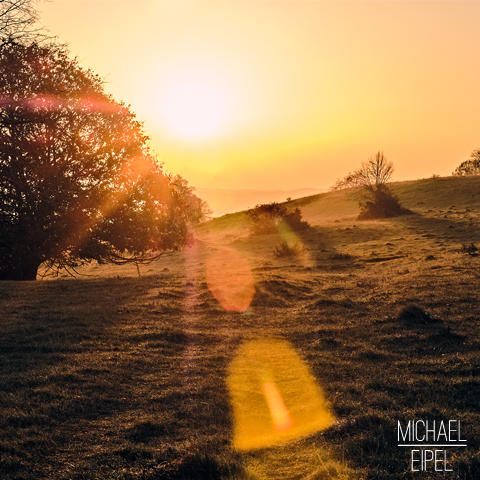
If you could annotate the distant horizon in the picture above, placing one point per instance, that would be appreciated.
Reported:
(236, 200)
(311, 91)
(260, 189)
(223, 201)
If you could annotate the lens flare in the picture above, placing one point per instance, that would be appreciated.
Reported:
(44, 102)
(132, 172)
(90, 104)
(230, 280)
(274, 396)
(281, 418)
(48, 103)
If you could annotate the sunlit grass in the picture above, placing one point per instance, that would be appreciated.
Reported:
(101, 378)
(127, 378)
(275, 398)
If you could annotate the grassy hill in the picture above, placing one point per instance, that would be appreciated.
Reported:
(223, 201)
(440, 193)
(447, 208)
(447, 215)
(117, 376)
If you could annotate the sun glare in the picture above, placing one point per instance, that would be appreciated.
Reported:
(275, 397)
(197, 107)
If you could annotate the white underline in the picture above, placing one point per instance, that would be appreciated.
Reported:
(423, 445)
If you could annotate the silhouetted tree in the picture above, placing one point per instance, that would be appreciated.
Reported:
(17, 20)
(199, 210)
(353, 179)
(376, 170)
(377, 200)
(470, 166)
(77, 180)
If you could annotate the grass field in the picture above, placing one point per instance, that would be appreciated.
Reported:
(120, 376)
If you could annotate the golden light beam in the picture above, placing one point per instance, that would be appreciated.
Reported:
(281, 418)
(230, 280)
(275, 397)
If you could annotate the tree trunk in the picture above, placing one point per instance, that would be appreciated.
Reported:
(19, 268)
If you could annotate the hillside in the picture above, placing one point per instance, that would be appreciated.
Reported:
(222, 200)
(122, 377)
(447, 215)
(418, 195)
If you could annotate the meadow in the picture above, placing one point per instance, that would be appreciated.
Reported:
(122, 374)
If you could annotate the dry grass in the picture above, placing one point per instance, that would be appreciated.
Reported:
(284, 249)
(125, 378)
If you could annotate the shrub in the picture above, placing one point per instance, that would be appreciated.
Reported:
(268, 218)
(471, 249)
(264, 218)
(414, 315)
(283, 249)
(379, 202)
(293, 220)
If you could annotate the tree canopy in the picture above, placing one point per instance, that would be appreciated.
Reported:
(77, 180)
(470, 166)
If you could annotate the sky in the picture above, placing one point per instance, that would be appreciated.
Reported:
(266, 94)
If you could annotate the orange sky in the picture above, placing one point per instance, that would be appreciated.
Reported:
(287, 94)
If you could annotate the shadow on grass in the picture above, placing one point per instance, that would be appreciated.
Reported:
(75, 356)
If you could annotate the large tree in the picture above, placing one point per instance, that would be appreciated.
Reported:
(77, 180)
(18, 19)
(470, 166)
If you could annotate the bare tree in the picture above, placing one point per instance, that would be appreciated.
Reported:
(470, 166)
(376, 199)
(376, 170)
(17, 19)
(353, 179)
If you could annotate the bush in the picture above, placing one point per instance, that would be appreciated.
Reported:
(379, 202)
(264, 218)
(471, 249)
(283, 249)
(293, 220)
(414, 315)
(268, 218)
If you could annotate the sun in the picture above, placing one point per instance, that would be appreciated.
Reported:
(197, 106)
